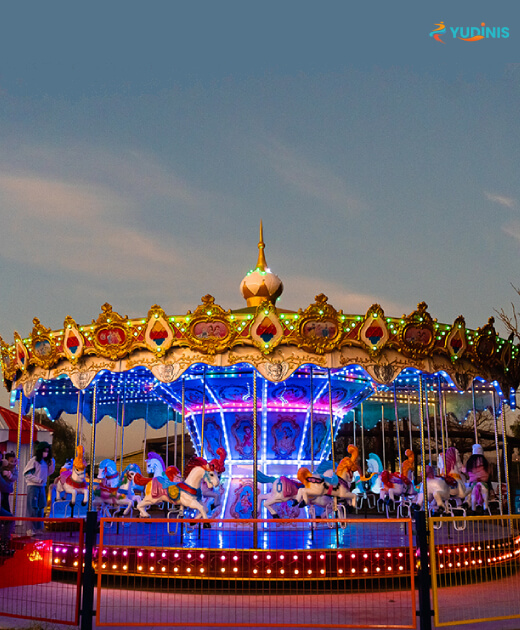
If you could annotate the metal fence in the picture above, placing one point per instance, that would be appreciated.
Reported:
(474, 567)
(335, 573)
(37, 581)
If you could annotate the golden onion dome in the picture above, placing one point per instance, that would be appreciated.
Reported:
(261, 283)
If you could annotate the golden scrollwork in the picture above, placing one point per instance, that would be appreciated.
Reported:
(417, 335)
(7, 358)
(21, 353)
(158, 335)
(73, 340)
(320, 329)
(42, 346)
(373, 333)
(111, 336)
(210, 331)
(456, 342)
(486, 342)
(266, 329)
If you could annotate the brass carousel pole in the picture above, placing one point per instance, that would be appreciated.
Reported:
(506, 464)
(410, 423)
(474, 410)
(255, 463)
(183, 403)
(441, 418)
(203, 412)
(363, 438)
(396, 412)
(18, 448)
(427, 406)
(331, 425)
(167, 435)
(423, 449)
(116, 439)
(78, 439)
(383, 438)
(33, 419)
(312, 423)
(174, 439)
(92, 447)
(499, 472)
(122, 433)
(144, 441)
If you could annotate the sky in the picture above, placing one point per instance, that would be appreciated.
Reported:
(141, 144)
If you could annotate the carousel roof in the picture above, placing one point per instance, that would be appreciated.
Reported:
(158, 349)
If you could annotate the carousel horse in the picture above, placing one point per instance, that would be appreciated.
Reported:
(477, 468)
(398, 485)
(162, 487)
(370, 484)
(338, 486)
(73, 481)
(449, 484)
(285, 490)
(452, 470)
(282, 490)
(60, 494)
(438, 491)
(112, 491)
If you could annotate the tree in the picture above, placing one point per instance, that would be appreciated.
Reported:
(63, 439)
(511, 322)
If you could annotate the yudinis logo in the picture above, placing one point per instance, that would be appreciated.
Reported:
(469, 33)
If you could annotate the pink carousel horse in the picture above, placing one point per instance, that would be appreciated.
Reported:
(162, 487)
(73, 481)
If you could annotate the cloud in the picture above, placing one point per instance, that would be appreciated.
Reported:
(87, 212)
(311, 180)
(512, 229)
(71, 226)
(300, 291)
(507, 202)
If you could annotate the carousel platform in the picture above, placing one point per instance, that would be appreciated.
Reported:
(360, 547)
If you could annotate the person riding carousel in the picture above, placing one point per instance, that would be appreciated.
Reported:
(477, 468)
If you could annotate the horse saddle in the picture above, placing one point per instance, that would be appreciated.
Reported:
(451, 481)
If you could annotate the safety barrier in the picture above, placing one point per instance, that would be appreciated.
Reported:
(474, 567)
(334, 573)
(36, 581)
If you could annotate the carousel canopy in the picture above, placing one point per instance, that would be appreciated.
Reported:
(158, 363)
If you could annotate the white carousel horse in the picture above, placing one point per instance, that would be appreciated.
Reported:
(451, 468)
(60, 493)
(162, 487)
(451, 484)
(113, 491)
(336, 486)
(73, 481)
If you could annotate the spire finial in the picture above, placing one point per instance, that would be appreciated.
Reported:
(261, 263)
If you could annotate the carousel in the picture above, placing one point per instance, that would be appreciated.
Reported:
(279, 406)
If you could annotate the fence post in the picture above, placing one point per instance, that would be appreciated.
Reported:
(423, 575)
(89, 578)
